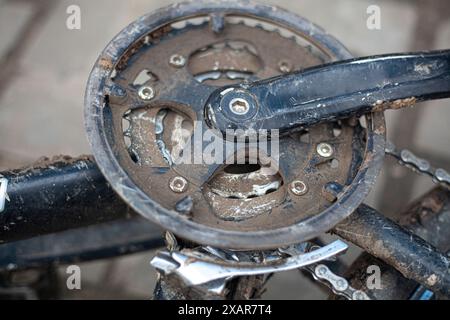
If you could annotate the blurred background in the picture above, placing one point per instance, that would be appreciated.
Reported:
(44, 68)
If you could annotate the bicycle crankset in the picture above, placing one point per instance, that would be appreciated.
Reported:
(193, 68)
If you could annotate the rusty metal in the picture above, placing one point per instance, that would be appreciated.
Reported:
(145, 97)
(227, 42)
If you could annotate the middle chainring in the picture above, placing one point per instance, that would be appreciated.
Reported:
(145, 100)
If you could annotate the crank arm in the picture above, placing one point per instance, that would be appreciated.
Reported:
(330, 92)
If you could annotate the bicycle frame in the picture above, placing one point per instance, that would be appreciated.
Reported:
(69, 202)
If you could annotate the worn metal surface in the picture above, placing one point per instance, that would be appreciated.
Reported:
(57, 194)
(429, 218)
(147, 44)
(230, 196)
(409, 254)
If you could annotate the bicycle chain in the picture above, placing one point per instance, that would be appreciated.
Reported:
(340, 285)
(419, 165)
(335, 283)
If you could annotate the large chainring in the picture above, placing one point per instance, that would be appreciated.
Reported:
(148, 88)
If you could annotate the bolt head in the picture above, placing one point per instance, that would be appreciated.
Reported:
(298, 187)
(325, 150)
(178, 184)
(177, 61)
(285, 66)
(239, 106)
(146, 93)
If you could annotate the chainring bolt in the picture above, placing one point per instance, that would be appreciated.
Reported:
(298, 187)
(284, 66)
(325, 150)
(146, 93)
(178, 184)
(239, 106)
(177, 61)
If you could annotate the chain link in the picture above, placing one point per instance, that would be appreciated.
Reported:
(419, 165)
(335, 283)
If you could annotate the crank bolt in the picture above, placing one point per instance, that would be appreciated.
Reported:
(177, 61)
(178, 184)
(146, 93)
(239, 106)
(325, 150)
(298, 187)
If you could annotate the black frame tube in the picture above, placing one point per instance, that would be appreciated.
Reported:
(57, 195)
(412, 256)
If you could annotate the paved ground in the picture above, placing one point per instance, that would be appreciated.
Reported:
(44, 67)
